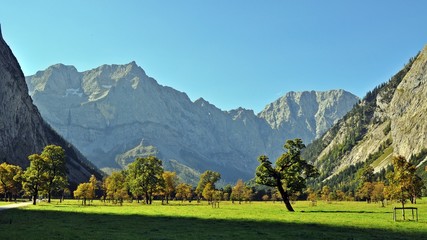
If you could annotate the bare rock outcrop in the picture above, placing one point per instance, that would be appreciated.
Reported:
(408, 110)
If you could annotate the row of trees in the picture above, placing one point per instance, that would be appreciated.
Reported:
(401, 184)
(46, 174)
(145, 179)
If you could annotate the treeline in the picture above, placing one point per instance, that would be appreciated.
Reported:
(145, 180)
(399, 182)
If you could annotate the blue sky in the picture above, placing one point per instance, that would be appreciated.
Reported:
(232, 53)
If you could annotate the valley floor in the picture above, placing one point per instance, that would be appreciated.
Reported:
(256, 220)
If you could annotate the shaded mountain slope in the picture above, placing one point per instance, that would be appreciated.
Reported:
(23, 131)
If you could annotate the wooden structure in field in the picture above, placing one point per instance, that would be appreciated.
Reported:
(414, 217)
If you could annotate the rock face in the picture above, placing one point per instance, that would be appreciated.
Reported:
(408, 110)
(23, 131)
(307, 115)
(115, 113)
(389, 121)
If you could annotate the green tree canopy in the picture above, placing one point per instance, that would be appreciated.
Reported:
(87, 190)
(208, 192)
(289, 173)
(227, 191)
(84, 191)
(115, 186)
(170, 182)
(205, 178)
(56, 171)
(35, 176)
(367, 174)
(10, 180)
(184, 192)
(94, 185)
(404, 183)
(145, 176)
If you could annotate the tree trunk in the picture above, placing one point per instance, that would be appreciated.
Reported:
(285, 197)
(403, 208)
(35, 199)
(49, 194)
(146, 198)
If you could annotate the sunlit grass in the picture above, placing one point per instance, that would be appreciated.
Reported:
(256, 220)
(12, 202)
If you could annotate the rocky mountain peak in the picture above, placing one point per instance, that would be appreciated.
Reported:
(242, 113)
(56, 79)
(201, 102)
(312, 111)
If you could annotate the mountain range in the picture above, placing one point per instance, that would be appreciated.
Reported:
(390, 120)
(22, 130)
(114, 113)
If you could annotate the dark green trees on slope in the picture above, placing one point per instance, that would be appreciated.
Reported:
(352, 128)
(289, 173)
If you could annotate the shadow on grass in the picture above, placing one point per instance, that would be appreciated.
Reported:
(23, 224)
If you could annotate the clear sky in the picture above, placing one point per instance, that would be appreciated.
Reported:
(233, 53)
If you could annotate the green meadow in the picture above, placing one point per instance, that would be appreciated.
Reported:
(256, 220)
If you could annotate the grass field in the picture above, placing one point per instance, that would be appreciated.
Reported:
(257, 220)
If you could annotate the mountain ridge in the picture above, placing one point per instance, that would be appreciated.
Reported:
(107, 111)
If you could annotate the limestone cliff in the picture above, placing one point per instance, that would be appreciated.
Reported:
(23, 131)
(307, 115)
(408, 110)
